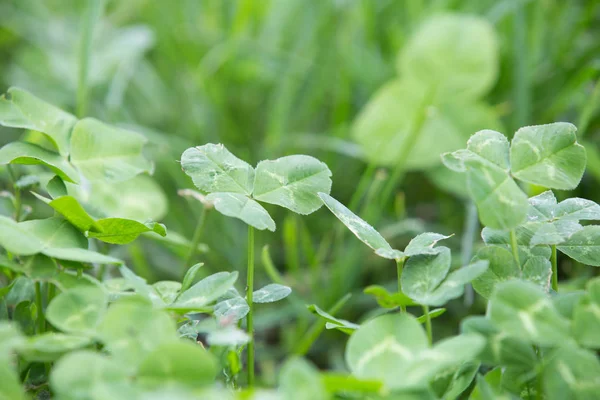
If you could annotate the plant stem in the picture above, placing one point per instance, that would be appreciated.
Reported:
(468, 238)
(249, 291)
(51, 294)
(514, 246)
(428, 324)
(90, 18)
(195, 238)
(17, 199)
(553, 259)
(41, 323)
(399, 267)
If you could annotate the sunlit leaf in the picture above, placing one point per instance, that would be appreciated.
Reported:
(21, 109)
(123, 231)
(205, 291)
(271, 293)
(292, 182)
(548, 155)
(104, 152)
(423, 273)
(32, 154)
(424, 244)
(242, 207)
(214, 169)
(190, 276)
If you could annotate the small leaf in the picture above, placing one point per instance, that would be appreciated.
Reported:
(104, 152)
(123, 231)
(334, 323)
(214, 169)
(424, 244)
(502, 267)
(55, 233)
(548, 155)
(81, 255)
(167, 290)
(228, 337)
(205, 292)
(386, 299)
(271, 293)
(423, 273)
(555, 232)
(242, 207)
(436, 312)
(21, 109)
(73, 212)
(31, 154)
(234, 308)
(141, 287)
(584, 246)
(177, 363)
(524, 310)
(190, 276)
(292, 182)
(77, 310)
(362, 230)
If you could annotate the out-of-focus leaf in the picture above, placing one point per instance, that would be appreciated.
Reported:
(32, 154)
(271, 293)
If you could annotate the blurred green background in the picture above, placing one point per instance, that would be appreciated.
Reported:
(347, 81)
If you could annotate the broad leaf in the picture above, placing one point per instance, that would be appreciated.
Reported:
(423, 273)
(140, 286)
(51, 346)
(232, 307)
(362, 230)
(56, 187)
(242, 207)
(298, 380)
(104, 152)
(386, 299)
(132, 328)
(548, 155)
(271, 293)
(10, 384)
(584, 246)
(292, 182)
(77, 310)
(214, 169)
(502, 267)
(123, 231)
(167, 290)
(456, 54)
(21, 109)
(55, 233)
(205, 292)
(101, 377)
(81, 255)
(523, 309)
(586, 316)
(572, 373)
(177, 363)
(16, 239)
(32, 154)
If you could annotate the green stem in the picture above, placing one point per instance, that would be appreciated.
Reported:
(428, 324)
(51, 294)
(90, 18)
(17, 199)
(196, 238)
(249, 318)
(553, 259)
(399, 267)
(79, 273)
(41, 323)
(515, 247)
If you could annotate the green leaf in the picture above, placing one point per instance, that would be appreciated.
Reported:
(271, 293)
(123, 231)
(18, 240)
(190, 276)
(132, 328)
(454, 284)
(81, 255)
(423, 273)
(205, 292)
(424, 244)
(299, 380)
(88, 375)
(214, 169)
(177, 363)
(456, 54)
(572, 373)
(10, 385)
(167, 290)
(555, 232)
(453, 382)
(362, 230)
(436, 312)
(292, 182)
(104, 152)
(51, 346)
(548, 155)
(524, 233)
(55, 233)
(56, 187)
(523, 309)
(231, 308)
(502, 267)
(77, 310)
(21, 109)
(501, 348)
(141, 287)
(584, 246)
(31, 154)
(586, 316)
(333, 322)
(384, 349)
(73, 212)
(242, 207)
(386, 299)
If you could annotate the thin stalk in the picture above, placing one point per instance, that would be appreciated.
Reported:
(514, 246)
(196, 238)
(363, 184)
(51, 293)
(249, 318)
(428, 324)
(315, 330)
(90, 18)
(399, 267)
(467, 241)
(554, 259)
(41, 323)
(17, 199)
